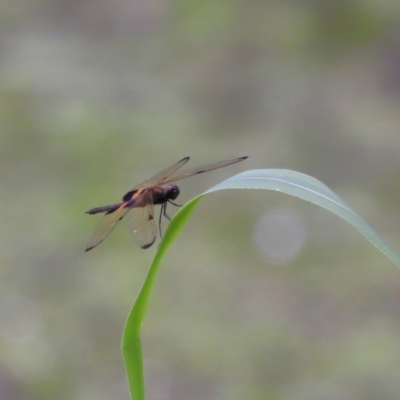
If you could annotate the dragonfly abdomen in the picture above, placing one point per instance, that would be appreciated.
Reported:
(104, 209)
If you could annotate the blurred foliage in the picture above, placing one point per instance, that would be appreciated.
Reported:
(97, 96)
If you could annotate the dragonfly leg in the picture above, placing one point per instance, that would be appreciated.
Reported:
(176, 205)
(162, 212)
(165, 212)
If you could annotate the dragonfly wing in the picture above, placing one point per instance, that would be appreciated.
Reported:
(142, 223)
(198, 170)
(164, 174)
(106, 225)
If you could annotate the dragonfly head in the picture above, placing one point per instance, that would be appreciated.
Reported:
(171, 192)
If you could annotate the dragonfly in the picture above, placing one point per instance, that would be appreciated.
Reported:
(140, 201)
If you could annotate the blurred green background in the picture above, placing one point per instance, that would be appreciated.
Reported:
(263, 296)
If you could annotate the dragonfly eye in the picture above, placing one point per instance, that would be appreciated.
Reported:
(171, 192)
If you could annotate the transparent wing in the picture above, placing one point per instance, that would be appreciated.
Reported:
(142, 224)
(198, 170)
(165, 173)
(106, 225)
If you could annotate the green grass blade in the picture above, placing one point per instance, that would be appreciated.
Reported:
(290, 182)
(310, 189)
(131, 348)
